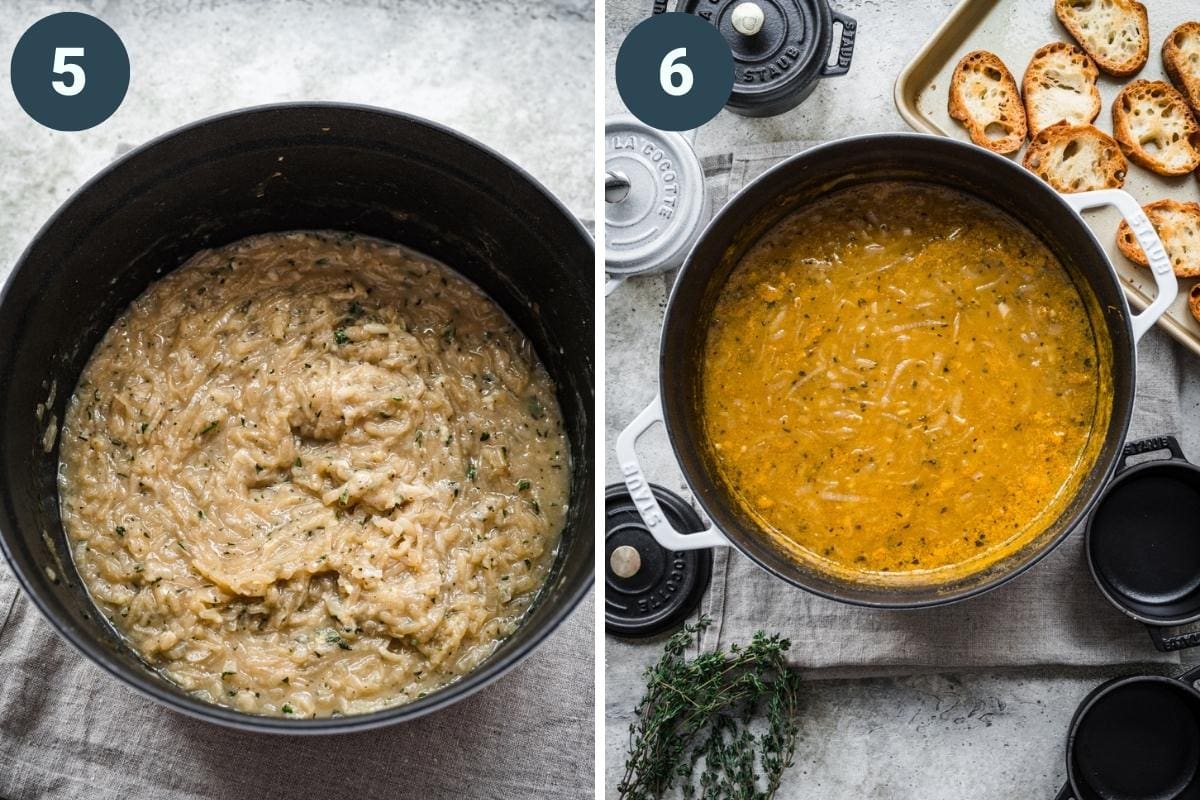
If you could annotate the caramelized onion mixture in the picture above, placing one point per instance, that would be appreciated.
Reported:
(311, 473)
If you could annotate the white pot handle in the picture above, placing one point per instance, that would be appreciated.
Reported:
(639, 489)
(1156, 254)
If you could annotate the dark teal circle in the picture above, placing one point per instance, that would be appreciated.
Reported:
(104, 62)
(640, 59)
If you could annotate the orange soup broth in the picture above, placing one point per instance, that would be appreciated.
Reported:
(901, 385)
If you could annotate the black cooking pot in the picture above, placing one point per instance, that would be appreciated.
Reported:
(778, 60)
(1136, 737)
(1143, 542)
(276, 168)
(817, 172)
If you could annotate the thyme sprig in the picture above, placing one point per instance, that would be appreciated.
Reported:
(703, 709)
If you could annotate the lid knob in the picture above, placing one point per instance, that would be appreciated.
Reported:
(748, 18)
(616, 186)
(625, 561)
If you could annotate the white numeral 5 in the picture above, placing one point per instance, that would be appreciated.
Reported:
(61, 67)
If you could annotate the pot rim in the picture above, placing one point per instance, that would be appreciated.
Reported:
(1118, 426)
(1119, 479)
(489, 671)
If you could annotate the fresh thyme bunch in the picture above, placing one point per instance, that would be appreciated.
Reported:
(703, 708)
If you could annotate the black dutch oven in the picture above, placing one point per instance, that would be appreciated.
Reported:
(780, 48)
(817, 172)
(276, 168)
(1143, 542)
(1136, 738)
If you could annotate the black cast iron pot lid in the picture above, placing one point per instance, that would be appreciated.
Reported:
(649, 589)
(779, 49)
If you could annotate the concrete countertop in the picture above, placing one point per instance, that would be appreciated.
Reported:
(951, 736)
(455, 63)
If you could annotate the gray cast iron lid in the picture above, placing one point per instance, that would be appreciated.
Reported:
(655, 201)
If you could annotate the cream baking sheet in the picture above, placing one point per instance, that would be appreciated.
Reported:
(1010, 31)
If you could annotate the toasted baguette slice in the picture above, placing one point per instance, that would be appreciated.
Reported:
(1076, 158)
(1060, 86)
(1181, 57)
(1116, 33)
(1178, 225)
(1155, 128)
(1194, 301)
(985, 99)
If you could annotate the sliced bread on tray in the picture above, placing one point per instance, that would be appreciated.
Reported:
(1181, 58)
(1194, 301)
(1156, 129)
(985, 99)
(1060, 86)
(1076, 158)
(1178, 225)
(1116, 33)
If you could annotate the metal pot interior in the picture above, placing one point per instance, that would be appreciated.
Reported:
(849, 162)
(313, 166)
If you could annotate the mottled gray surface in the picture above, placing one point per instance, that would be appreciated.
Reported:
(462, 63)
(995, 734)
(68, 730)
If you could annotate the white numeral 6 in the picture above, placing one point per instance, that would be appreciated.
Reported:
(668, 69)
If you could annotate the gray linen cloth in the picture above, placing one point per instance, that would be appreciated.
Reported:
(70, 731)
(1051, 615)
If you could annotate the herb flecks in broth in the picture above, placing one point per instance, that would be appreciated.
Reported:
(900, 383)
